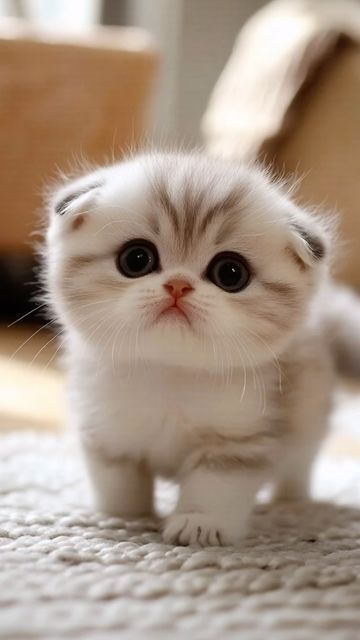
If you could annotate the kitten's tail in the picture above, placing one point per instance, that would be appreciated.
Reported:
(341, 317)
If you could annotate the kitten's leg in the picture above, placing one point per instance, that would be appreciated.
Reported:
(214, 506)
(294, 474)
(306, 417)
(121, 487)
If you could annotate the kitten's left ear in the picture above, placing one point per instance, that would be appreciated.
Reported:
(310, 239)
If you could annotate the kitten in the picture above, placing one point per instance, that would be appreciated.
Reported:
(188, 288)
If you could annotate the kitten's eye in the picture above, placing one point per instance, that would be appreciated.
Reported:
(229, 271)
(137, 258)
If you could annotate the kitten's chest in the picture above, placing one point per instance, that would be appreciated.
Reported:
(159, 414)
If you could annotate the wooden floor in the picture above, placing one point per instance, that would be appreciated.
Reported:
(32, 395)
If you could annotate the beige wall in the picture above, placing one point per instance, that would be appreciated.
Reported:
(196, 37)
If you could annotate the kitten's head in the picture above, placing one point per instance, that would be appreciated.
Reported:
(182, 259)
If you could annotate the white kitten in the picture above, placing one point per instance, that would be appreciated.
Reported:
(187, 288)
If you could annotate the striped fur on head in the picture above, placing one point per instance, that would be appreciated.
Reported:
(191, 207)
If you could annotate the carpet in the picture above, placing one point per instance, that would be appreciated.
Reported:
(68, 572)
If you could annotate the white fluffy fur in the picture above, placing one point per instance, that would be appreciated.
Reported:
(239, 397)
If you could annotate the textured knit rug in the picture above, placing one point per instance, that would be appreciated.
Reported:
(67, 572)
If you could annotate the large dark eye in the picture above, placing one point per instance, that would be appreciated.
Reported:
(229, 271)
(137, 258)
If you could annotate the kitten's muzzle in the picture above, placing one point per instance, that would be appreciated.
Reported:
(178, 288)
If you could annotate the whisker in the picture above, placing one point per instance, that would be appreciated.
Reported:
(53, 355)
(25, 315)
(274, 357)
(44, 347)
(257, 380)
(30, 338)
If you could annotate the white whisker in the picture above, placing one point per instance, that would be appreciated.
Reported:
(31, 337)
(25, 315)
(274, 358)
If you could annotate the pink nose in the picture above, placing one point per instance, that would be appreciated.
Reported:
(178, 288)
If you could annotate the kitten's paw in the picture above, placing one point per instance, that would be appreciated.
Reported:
(199, 528)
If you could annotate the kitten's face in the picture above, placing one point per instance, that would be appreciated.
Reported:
(183, 260)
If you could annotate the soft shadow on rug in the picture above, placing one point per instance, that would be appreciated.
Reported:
(67, 572)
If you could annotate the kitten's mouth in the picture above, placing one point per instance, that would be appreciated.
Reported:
(173, 311)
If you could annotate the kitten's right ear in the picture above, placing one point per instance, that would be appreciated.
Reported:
(75, 197)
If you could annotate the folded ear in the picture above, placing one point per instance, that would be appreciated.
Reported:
(74, 197)
(310, 238)
(310, 246)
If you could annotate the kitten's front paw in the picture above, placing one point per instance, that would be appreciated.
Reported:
(199, 528)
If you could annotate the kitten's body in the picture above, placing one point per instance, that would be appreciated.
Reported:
(223, 399)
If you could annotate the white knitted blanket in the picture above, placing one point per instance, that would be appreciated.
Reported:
(67, 572)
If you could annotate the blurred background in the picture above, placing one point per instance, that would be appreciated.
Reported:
(276, 81)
